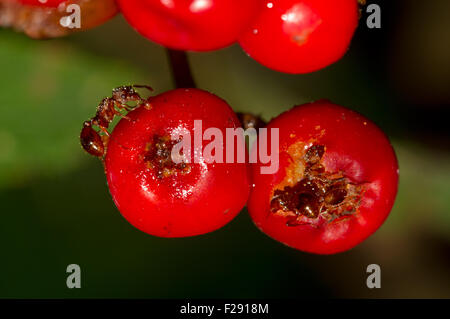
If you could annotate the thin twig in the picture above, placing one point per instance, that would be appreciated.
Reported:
(181, 70)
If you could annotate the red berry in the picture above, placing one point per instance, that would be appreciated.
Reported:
(166, 199)
(197, 25)
(336, 182)
(301, 36)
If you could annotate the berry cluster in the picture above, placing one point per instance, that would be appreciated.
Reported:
(336, 173)
(292, 36)
(335, 185)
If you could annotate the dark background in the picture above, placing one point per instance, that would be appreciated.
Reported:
(56, 209)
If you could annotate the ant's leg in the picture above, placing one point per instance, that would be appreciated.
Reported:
(104, 130)
(120, 106)
(143, 87)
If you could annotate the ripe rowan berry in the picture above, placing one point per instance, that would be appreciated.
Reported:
(155, 193)
(336, 182)
(301, 36)
(197, 25)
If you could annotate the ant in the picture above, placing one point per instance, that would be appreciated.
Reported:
(91, 140)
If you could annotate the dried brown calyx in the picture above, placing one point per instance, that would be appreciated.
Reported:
(361, 4)
(46, 22)
(249, 120)
(319, 196)
(158, 156)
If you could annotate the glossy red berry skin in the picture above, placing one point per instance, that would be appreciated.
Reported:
(301, 36)
(355, 148)
(202, 200)
(194, 25)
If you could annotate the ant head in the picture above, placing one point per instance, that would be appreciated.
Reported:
(125, 94)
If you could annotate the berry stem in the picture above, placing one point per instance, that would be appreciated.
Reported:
(181, 70)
